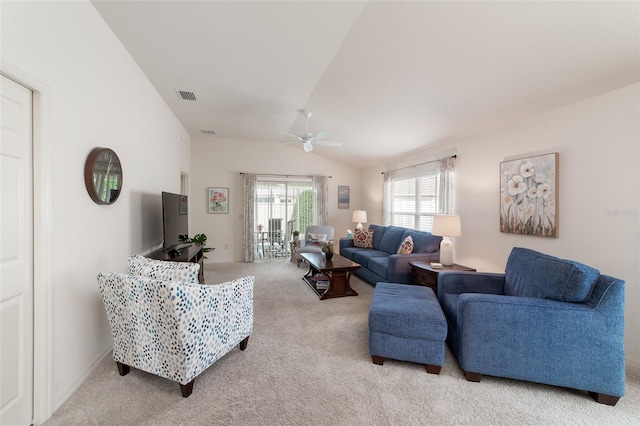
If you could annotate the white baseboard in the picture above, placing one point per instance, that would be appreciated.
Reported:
(75, 384)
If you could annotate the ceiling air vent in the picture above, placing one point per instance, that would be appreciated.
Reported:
(208, 132)
(187, 96)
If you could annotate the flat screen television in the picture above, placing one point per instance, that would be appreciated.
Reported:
(175, 221)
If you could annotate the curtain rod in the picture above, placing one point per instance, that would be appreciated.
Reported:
(288, 176)
(416, 165)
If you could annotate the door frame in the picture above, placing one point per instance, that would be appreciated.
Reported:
(42, 241)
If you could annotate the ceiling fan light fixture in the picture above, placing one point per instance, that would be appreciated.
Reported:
(308, 139)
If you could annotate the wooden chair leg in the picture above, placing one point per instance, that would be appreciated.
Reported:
(378, 360)
(187, 389)
(433, 369)
(243, 344)
(472, 377)
(604, 399)
(123, 369)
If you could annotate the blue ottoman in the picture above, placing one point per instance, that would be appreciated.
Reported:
(406, 323)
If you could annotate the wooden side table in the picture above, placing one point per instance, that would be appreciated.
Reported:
(423, 274)
(293, 246)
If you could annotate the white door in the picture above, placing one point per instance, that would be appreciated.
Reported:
(16, 255)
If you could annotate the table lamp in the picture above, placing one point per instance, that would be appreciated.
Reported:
(446, 226)
(359, 216)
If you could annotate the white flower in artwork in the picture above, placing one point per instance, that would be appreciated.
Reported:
(527, 169)
(533, 192)
(516, 185)
(540, 177)
(507, 171)
(544, 190)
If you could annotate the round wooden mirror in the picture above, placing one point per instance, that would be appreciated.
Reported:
(103, 175)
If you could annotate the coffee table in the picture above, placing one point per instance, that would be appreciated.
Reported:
(338, 271)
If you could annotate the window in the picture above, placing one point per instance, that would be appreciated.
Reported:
(413, 202)
(414, 195)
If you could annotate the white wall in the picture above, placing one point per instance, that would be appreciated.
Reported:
(95, 96)
(218, 162)
(598, 143)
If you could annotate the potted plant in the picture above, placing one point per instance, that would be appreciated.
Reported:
(201, 240)
(296, 235)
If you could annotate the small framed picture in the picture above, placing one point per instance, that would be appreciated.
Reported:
(218, 200)
(343, 196)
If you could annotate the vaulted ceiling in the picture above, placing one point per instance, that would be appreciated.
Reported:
(383, 77)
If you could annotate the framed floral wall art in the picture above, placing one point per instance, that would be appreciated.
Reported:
(218, 200)
(529, 196)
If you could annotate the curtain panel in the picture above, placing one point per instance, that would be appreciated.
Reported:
(249, 183)
(445, 185)
(321, 188)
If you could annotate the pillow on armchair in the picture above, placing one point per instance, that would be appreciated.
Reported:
(532, 274)
(316, 239)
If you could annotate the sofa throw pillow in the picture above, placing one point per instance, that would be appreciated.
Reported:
(363, 238)
(407, 246)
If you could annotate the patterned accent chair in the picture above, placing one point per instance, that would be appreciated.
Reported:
(165, 323)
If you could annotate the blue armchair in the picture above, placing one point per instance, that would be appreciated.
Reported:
(544, 320)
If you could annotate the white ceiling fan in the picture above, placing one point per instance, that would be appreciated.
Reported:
(310, 139)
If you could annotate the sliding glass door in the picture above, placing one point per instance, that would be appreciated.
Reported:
(282, 205)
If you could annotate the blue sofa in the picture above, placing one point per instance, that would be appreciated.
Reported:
(544, 320)
(382, 263)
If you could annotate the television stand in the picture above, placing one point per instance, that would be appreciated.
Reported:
(193, 253)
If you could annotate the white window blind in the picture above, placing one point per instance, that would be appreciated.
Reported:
(414, 201)
(413, 195)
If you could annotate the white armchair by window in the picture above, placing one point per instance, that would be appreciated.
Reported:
(165, 323)
(309, 244)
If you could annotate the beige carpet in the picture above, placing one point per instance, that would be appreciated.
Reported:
(307, 363)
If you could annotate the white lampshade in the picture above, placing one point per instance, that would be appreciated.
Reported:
(446, 226)
(359, 216)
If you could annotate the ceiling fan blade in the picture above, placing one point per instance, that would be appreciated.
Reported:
(328, 143)
(320, 135)
(291, 134)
